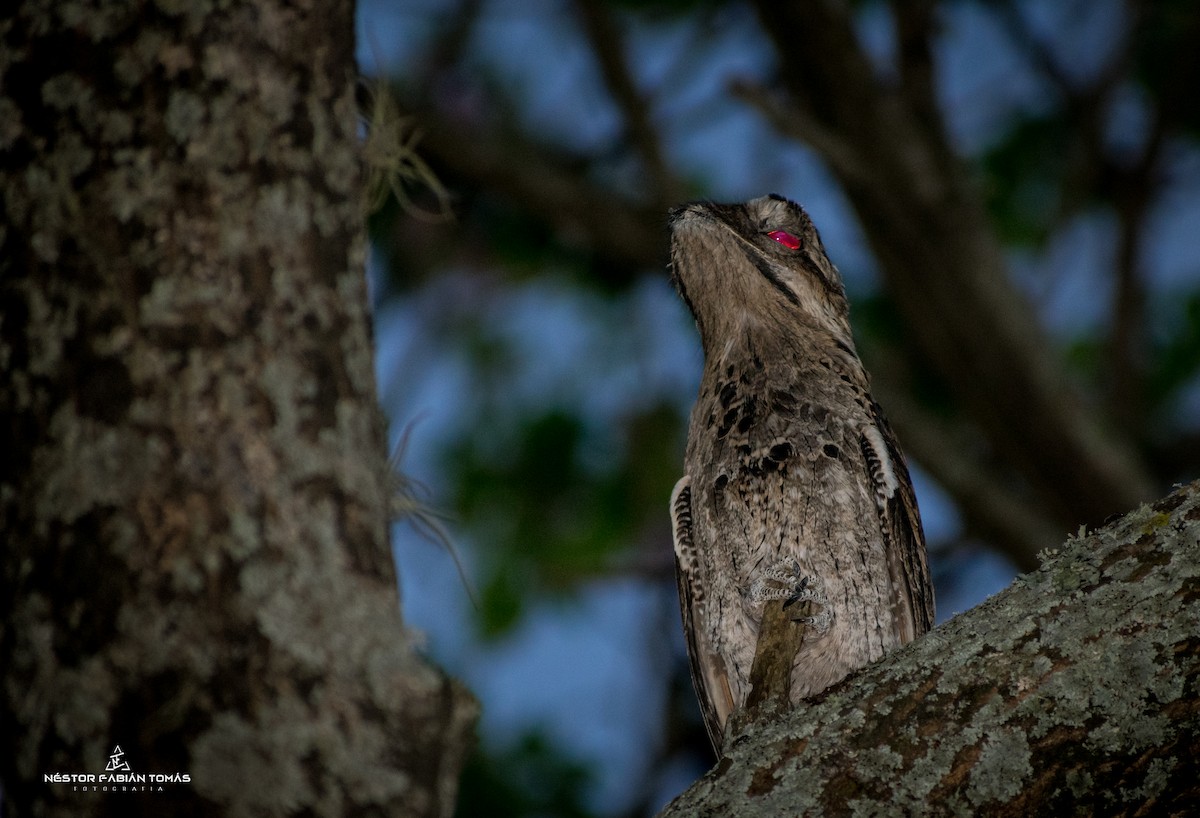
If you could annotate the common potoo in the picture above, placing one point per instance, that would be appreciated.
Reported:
(794, 487)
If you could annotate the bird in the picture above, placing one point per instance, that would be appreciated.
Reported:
(794, 486)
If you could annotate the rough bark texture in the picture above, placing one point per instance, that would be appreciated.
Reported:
(193, 491)
(1075, 691)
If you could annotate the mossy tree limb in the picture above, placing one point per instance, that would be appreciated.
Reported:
(1075, 691)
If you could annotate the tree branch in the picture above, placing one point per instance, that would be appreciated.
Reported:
(548, 187)
(792, 121)
(990, 507)
(1077, 687)
(915, 27)
(1134, 196)
(609, 49)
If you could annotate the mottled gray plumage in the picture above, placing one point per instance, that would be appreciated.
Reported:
(794, 486)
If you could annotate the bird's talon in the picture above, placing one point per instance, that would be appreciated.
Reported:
(800, 593)
(820, 622)
(784, 581)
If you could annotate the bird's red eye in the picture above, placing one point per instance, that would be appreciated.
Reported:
(785, 238)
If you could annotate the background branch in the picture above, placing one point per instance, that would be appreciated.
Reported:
(550, 186)
(991, 508)
(608, 47)
(916, 27)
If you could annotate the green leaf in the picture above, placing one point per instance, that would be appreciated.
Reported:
(1023, 178)
(532, 778)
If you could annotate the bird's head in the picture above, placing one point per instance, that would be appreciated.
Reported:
(759, 263)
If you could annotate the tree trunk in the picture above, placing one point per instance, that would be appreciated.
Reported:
(1075, 691)
(193, 495)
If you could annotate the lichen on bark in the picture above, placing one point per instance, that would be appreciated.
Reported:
(195, 498)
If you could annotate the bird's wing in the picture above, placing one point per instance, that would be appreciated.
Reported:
(903, 537)
(709, 676)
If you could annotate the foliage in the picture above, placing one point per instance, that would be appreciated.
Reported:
(553, 506)
(529, 779)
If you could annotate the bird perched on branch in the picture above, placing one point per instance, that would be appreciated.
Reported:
(798, 544)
